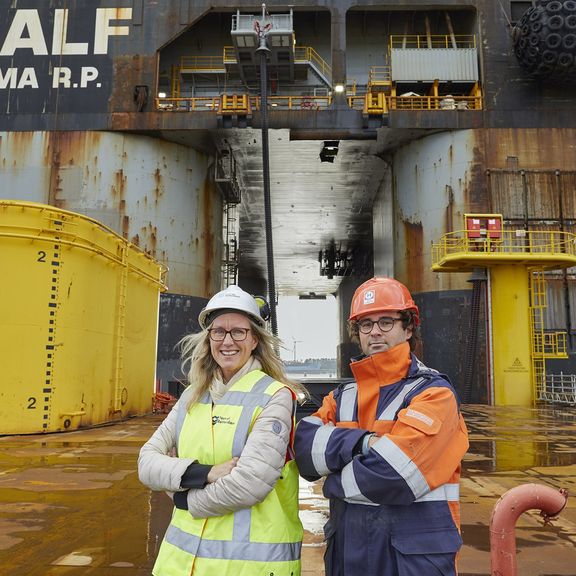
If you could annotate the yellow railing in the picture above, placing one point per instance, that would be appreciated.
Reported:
(538, 304)
(243, 103)
(514, 243)
(206, 104)
(435, 103)
(303, 54)
(175, 82)
(425, 42)
(380, 76)
(357, 102)
(550, 344)
(229, 55)
(202, 63)
(83, 233)
(544, 344)
(294, 102)
(235, 104)
(375, 102)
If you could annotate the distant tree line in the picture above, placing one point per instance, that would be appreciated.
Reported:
(324, 364)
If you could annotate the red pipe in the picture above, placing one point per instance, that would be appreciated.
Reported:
(507, 511)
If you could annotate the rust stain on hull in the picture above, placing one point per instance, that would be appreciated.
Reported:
(129, 72)
(534, 148)
(158, 186)
(119, 186)
(65, 149)
(207, 234)
(413, 234)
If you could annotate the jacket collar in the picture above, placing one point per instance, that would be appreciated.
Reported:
(385, 367)
(374, 372)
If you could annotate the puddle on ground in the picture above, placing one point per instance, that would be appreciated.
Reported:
(517, 438)
(67, 500)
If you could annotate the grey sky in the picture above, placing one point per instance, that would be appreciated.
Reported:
(311, 325)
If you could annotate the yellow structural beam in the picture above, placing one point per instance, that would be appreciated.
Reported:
(511, 343)
(515, 259)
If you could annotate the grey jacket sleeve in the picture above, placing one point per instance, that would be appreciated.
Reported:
(259, 466)
(157, 468)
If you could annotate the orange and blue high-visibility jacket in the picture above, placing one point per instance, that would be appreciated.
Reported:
(394, 507)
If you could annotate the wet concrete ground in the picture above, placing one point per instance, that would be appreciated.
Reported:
(71, 504)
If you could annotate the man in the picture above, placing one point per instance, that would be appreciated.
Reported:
(390, 447)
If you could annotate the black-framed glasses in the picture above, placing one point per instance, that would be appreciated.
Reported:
(385, 324)
(237, 334)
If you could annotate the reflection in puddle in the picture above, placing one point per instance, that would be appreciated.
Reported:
(73, 559)
(517, 438)
(74, 502)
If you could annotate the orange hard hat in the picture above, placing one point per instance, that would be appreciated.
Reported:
(382, 295)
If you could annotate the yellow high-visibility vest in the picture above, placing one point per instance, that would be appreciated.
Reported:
(264, 540)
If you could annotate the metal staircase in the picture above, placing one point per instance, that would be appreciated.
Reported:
(230, 248)
(544, 344)
(228, 183)
(307, 58)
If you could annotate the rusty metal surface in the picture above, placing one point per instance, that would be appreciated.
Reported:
(112, 51)
(154, 193)
(435, 183)
(72, 503)
(533, 148)
(313, 204)
(79, 63)
(152, 187)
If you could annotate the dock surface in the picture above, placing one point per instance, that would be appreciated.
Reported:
(71, 504)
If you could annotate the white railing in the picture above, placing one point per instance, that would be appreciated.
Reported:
(559, 389)
(276, 22)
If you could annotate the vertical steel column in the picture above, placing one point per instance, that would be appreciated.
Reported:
(512, 333)
(263, 51)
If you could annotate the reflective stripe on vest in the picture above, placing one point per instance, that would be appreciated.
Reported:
(233, 399)
(319, 446)
(219, 543)
(444, 493)
(389, 412)
(397, 459)
(226, 550)
(347, 403)
(447, 492)
(403, 465)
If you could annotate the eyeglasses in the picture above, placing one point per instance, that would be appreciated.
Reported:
(237, 334)
(385, 324)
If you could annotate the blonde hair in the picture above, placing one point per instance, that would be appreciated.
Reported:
(200, 367)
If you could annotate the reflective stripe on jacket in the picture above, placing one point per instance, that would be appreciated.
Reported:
(403, 493)
(260, 540)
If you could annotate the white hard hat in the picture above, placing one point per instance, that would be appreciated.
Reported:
(232, 298)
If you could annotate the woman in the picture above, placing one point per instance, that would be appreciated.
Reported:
(224, 453)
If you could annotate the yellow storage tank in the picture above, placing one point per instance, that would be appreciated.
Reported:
(78, 321)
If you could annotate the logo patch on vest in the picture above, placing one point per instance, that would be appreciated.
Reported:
(276, 427)
(419, 416)
(222, 420)
(369, 297)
